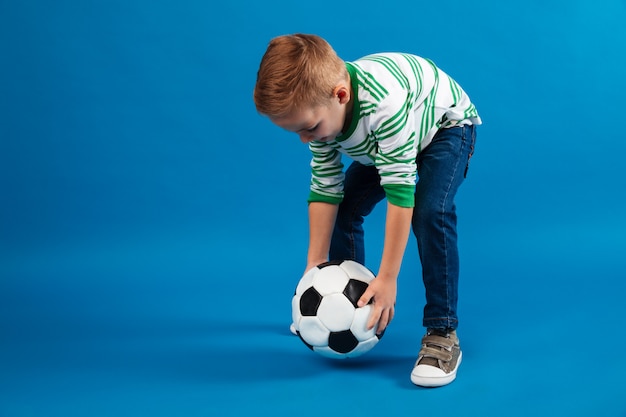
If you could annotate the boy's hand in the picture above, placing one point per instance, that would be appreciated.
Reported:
(383, 294)
(313, 264)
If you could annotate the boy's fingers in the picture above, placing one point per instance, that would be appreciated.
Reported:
(375, 317)
(365, 298)
(383, 320)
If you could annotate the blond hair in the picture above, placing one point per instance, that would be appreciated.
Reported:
(297, 71)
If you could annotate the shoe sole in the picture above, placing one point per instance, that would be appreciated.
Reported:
(433, 382)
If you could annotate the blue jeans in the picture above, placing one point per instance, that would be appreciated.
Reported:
(441, 169)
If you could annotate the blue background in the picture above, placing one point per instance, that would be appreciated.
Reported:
(153, 225)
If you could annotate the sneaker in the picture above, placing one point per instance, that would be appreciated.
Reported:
(438, 359)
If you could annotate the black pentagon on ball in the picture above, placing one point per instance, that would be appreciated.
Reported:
(310, 302)
(329, 263)
(354, 290)
(342, 342)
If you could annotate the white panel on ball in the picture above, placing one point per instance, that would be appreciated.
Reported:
(295, 311)
(357, 271)
(336, 312)
(313, 331)
(330, 279)
(329, 353)
(363, 347)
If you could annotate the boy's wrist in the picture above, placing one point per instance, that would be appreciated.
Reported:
(313, 262)
(387, 276)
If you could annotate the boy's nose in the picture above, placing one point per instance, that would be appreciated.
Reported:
(306, 138)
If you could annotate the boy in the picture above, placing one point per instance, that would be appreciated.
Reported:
(399, 118)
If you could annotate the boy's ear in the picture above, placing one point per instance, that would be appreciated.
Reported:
(342, 92)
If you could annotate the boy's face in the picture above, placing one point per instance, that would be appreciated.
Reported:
(321, 123)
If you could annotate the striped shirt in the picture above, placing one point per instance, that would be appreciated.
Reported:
(400, 102)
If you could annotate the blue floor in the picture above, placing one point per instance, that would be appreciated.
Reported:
(153, 226)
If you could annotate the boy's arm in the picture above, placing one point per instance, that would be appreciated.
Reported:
(383, 288)
(321, 223)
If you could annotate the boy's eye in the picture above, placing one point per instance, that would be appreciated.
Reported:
(312, 128)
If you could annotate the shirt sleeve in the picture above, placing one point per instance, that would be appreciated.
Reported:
(326, 174)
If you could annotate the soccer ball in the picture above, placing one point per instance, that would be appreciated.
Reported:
(325, 312)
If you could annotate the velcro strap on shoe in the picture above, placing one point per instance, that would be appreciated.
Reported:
(444, 342)
(431, 352)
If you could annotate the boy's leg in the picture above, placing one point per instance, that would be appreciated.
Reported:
(442, 167)
(362, 191)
